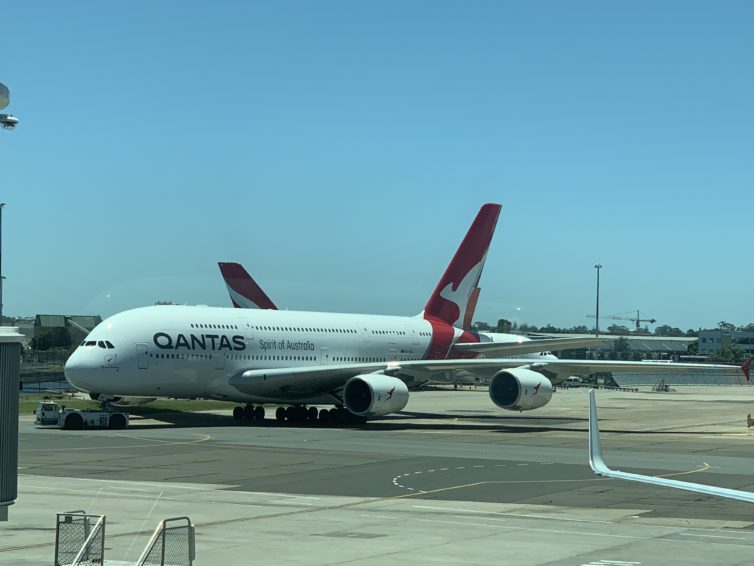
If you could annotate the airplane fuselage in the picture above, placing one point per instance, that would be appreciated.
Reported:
(193, 351)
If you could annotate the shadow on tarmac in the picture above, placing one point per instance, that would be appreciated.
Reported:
(403, 421)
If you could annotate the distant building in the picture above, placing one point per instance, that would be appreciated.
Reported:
(78, 326)
(711, 340)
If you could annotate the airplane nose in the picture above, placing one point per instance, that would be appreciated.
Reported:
(78, 372)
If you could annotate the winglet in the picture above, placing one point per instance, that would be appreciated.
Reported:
(454, 295)
(601, 469)
(595, 449)
(244, 291)
(746, 368)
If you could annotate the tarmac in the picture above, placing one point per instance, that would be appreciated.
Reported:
(450, 480)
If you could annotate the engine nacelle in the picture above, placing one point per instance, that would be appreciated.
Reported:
(121, 401)
(520, 389)
(374, 394)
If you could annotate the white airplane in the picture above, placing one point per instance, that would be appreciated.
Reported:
(363, 364)
(598, 465)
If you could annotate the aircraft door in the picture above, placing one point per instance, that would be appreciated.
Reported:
(142, 356)
(219, 360)
(324, 356)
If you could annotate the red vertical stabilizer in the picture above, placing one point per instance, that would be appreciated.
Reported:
(454, 298)
(244, 291)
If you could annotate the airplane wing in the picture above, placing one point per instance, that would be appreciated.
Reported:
(527, 346)
(597, 462)
(304, 382)
(556, 370)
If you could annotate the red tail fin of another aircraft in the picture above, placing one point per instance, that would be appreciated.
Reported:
(746, 368)
(244, 291)
(455, 296)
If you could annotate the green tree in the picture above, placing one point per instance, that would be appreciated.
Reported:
(693, 348)
(722, 325)
(618, 329)
(480, 326)
(621, 344)
(504, 326)
(732, 353)
(58, 337)
(579, 329)
(667, 330)
(550, 329)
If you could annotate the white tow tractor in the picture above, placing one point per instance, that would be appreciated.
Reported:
(50, 413)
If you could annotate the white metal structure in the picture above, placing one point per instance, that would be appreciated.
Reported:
(597, 462)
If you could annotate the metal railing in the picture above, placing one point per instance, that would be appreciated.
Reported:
(77, 542)
(170, 545)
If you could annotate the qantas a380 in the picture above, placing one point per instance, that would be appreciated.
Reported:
(362, 364)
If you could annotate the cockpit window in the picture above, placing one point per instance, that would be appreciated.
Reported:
(90, 343)
(109, 344)
(101, 344)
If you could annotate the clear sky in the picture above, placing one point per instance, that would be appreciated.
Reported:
(340, 149)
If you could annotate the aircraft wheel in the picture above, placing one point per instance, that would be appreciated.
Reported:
(290, 414)
(312, 413)
(324, 416)
(280, 414)
(302, 414)
(336, 416)
(238, 413)
(248, 412)
(259, 413)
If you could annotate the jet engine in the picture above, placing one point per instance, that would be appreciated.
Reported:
(520, 389)
(374, 394)
(121, 401)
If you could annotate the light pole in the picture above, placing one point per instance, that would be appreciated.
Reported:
(598, 266)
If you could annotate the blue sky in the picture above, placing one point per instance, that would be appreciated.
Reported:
(339, 150)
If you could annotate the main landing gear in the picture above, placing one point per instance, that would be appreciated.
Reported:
(300, 415)
(249, 413)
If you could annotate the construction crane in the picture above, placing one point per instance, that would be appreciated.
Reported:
(635, 319)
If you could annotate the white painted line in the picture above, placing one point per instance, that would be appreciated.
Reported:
(710, 536)
(464, 523)
(452, 509)
(213, 487)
